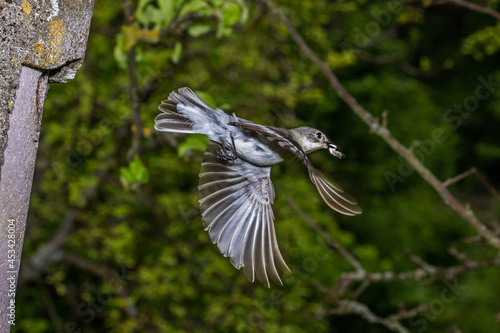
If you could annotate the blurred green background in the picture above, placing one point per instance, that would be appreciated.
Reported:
(129, 253)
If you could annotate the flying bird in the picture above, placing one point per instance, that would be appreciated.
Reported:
(235, 188)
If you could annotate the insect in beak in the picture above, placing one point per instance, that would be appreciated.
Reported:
(334, 150)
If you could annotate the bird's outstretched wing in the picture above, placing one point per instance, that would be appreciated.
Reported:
(235, 201)
(332, 194)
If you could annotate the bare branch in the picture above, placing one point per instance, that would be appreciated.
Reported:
(87, 265)
(405, 314)
(385, 114)
(180, 24)
(381, 59)
(459, 255)
(472, 6)
(486, 183)
(331, 241)
(346, 307)
(105, 274)
(134, 85)
(385, 134)
(420, 273)
(50, 252)
(50, 307)
(416, 259)
(453, 180)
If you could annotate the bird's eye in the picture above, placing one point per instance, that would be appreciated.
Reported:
(319, 135)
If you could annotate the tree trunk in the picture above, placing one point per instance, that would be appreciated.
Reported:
(41, 42)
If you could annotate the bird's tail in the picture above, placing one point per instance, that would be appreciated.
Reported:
(184, 112)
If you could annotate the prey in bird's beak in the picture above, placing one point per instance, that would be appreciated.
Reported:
(334, 150)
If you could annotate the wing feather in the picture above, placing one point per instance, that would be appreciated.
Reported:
(235, 201)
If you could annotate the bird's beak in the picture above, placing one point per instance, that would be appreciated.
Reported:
(334, 150)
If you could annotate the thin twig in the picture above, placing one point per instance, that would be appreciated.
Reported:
(49, 306)
(471, 6)
(486, 183)
(414, 258)
(346, 307)
(180, 24)
(134, 85)
(49, 252)
(106, 275)
(384, 133)
(420, 273)
(405, 314)
(460, 255)
(331, 241)
(453, 180)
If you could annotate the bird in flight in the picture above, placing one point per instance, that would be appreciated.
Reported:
(235, 188)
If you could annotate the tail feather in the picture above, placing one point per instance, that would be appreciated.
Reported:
(184, 112)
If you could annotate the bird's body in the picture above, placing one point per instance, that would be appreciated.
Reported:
(235, 188)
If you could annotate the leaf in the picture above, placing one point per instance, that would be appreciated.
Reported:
(232, 14)
(119, 51)
(194, 142)
(244, 11)
(196, 30)
(192, 6)
(176, 55)
(220, 24)
(341, 59)
(141, 11)
(134, 175)
(167, 11)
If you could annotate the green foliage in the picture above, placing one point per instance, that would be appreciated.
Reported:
(483, 42)
(194, 143)
(134, 175)
(155, 17)
(137, 258)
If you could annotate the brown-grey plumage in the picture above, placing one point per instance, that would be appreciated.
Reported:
(236, 192)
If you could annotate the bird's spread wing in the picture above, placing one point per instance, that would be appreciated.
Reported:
(274, 137)
(235, 201)
(332, 194)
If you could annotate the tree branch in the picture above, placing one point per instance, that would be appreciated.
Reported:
(486, 183)
(453, 180)
(330, 240)
(134, 85)
(420, 273)
(346, 307)
(471, 6)
(106, 275)
(375, 126)
(50, 252)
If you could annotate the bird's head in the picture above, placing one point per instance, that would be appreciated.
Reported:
(312, 139)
